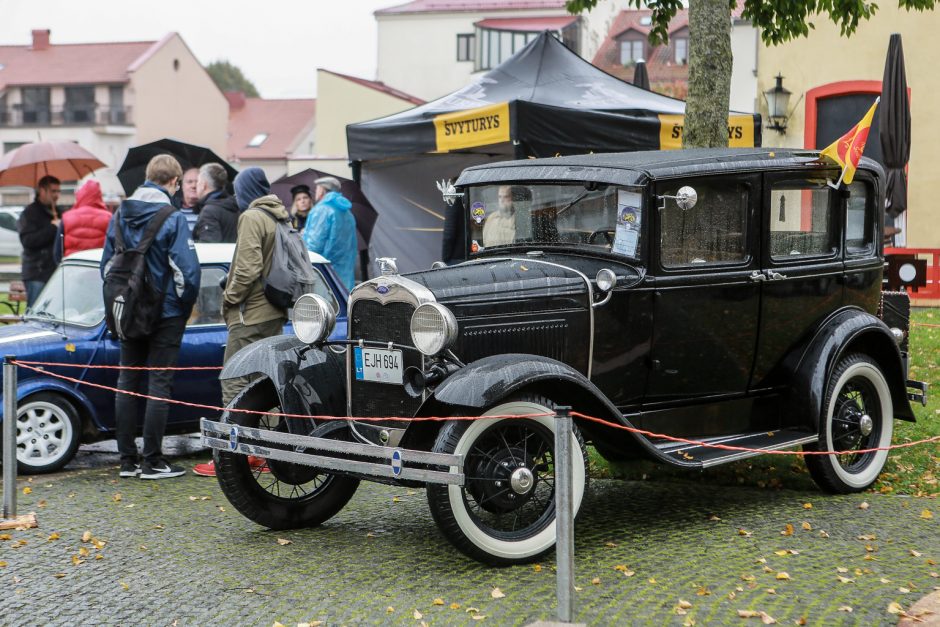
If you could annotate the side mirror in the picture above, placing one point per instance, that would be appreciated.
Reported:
(685, 198)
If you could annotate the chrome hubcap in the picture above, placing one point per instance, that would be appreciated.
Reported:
(866, 424)
(521, 480)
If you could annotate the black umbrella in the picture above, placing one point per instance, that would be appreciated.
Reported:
(895, 129)
(361, 207)
(641, 77)
(133, 171)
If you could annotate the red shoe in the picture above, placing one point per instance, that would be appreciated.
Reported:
(204, 470)
(208, 469)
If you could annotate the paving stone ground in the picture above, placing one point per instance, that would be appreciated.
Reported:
(176, 552)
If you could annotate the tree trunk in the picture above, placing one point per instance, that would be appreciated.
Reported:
(706, 109)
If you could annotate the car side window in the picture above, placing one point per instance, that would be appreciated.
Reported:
(208, 307)
(801, 223)
(859, 220)
(7, 221)
(714, 231)
(321, 287)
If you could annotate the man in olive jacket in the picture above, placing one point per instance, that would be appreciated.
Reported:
(248, 314)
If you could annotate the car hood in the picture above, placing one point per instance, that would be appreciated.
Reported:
(25, 337)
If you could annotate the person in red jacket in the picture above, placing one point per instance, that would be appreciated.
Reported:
(85, 224)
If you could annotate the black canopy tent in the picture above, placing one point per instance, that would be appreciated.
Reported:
(543, 101)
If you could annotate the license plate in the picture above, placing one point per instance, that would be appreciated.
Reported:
(380, 365)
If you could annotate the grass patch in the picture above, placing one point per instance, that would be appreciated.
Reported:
(912, 471)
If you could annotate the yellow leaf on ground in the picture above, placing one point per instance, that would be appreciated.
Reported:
(478, 616)
(895, 608)
(596, 581)
(455, 606)
(59, 575)
(284, 542)
(863, 505)
(748, 614)
(703, 591)
(610, 544)
(27, 490)
(823, 534)
(845, 608)
(496, 593)
(806, 526)
(787, 531)
(471, 610)
(437, 601)
(277, 624)
(767, 619)
(842, 570)
(845, 579)
(86, 536)
(117, 498)
(684, 604)
(3, 564)
(5, 536)
(781, 553)
(926, 514)
(884, 580)
(903, 590)
(745, 533)
(53, 536)
(807, 506)
(83, 551)
(537, 568)
(915, 553)
(783, 576)
(98, 544)
(125, 586)
(389, 610)
(417, 615)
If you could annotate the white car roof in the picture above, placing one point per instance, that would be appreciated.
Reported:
(207, 253)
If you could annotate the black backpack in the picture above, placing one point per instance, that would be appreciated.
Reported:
(291, 274)
(132, 302)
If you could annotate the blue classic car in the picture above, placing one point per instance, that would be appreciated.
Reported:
(66, 325)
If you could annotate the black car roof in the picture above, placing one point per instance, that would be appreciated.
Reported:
(636, 168)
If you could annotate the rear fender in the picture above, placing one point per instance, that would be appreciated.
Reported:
(308, 380)
(845, 332)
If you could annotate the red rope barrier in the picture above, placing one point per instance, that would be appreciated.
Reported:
(58, 364)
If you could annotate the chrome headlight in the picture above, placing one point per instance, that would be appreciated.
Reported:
(433, 328)
(314, 319)
(606, 280)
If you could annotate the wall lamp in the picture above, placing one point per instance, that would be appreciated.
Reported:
(778, 103)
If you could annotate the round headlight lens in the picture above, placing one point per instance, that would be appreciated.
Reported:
(606, 279)
(314, 319)
(433, 328)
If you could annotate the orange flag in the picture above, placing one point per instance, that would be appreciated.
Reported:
(847, 150)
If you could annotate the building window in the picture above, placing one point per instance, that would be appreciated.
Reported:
(682, 51)
(465, 47)
(79, 104)
(116, 111)
(257, 140)
(495, 46)
(631, 51)
(35, 105)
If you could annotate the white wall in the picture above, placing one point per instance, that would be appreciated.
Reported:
(744, 40)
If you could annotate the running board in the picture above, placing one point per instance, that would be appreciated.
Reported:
(706, 456)
(333, 455)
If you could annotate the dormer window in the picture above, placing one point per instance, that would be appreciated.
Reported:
(257, 140)
(631, 51)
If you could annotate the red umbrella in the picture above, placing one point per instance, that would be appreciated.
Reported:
(67, 161)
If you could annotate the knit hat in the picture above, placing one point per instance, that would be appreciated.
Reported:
(250, 185)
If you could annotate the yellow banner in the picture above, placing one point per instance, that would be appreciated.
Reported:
(473, 127)
(740, 131)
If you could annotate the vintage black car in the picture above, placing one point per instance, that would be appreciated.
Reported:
(725, 296)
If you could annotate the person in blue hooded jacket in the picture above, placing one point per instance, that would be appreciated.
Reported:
(172, 261)
(331, 229)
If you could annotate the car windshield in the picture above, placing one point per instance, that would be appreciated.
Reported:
(72, 295)
(604, 217)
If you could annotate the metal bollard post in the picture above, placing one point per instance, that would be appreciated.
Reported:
(564, 515)
(9, 437)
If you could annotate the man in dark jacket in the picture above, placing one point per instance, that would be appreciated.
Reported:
(218, 211)
(37, 227)
(172, 262)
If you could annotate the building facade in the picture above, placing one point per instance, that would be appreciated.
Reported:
(267, 132)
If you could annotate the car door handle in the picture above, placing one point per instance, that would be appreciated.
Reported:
(775, 276)
(757, 277)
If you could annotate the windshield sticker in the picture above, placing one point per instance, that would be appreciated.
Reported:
(477, 212)
(629, 219)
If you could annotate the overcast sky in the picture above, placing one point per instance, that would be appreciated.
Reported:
(278, 44)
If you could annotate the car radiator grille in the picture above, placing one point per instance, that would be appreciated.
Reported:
(548, 338)
(391, 322)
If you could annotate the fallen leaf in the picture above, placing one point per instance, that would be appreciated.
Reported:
(83, 551)
(471, 610)
(806, 526)
(800, 621)
(895, 608)
(863, 505)
(99, 557)
(496, 593)
(395, 499)
(703, 591)
(771, 591)
(652, 580)
(845, 608)
(578, 588)
(782, 576)
(389, 610)
(76, 560)
(713, 518)
(748, 614)
(868, 537)
(845, 579)
(926, 514)
(455, 606)
(125, 586)
(787, 531)
(767, 619)
(418, 615)
(98, 544)
(5, 536)
(478, 616)
(537, 568)
(823, 534)
(596, 581)
(3, 564)
(59, 575)
(684, 604)
(745, 533)
(117, 498)
(782, 552)
(903, 590)
(842, 570)
(884, 580)
(86, 536)
(284, 542)
(53, 536)
(807, 506)
(27, 490)
(916, 553)
(610, 544)
(437, 601)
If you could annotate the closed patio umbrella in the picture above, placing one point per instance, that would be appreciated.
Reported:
(895, 132)
(641, 77)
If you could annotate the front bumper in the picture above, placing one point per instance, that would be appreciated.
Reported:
(919, 392)
(380, 463)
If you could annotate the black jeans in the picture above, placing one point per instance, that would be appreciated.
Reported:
(160, 349)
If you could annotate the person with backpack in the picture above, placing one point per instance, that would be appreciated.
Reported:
(151, 280)
(248, 313)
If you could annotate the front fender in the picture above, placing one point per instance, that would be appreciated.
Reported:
(308, 380)
(847, 331)
(38, 384)
(486, 382)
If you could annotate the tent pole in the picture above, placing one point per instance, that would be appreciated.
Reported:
(356, 167)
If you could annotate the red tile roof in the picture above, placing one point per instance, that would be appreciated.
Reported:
(378, 86)
(284, 121)
(71, 64)
(527, 24)
(453, 6)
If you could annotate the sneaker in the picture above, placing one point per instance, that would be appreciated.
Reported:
(160, 470)
(130, 469)
(204, 470)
